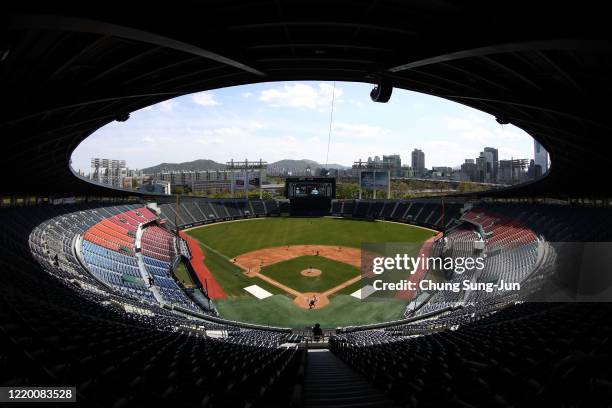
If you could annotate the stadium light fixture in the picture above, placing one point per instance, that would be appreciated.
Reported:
(382, 91)
(122, 117)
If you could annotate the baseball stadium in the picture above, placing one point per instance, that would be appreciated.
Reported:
(117, 297)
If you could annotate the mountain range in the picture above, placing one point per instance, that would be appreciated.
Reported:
(205, 164)
(303, 164)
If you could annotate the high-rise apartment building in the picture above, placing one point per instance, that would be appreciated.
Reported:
(108, 171)
(469, 170)
(540, 157)
(492, 156)
(418, 162)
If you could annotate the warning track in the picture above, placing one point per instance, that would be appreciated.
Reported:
(207, 279)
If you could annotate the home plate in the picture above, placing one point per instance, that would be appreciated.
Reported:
(364, 292)
(259, 293)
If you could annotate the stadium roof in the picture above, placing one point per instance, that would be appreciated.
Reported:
(66, 70)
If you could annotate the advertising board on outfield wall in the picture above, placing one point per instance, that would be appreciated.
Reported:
(374, 180)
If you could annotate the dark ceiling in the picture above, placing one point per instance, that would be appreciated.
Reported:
(66, 70)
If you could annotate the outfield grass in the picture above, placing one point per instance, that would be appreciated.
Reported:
(224, 241)
(280, 311)
(235, 238)
(333, 273)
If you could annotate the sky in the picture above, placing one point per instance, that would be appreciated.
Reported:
(290, 120)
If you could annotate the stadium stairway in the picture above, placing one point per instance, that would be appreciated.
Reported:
(329, 382)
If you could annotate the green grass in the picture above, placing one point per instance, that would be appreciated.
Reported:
(333, 273)
(231, 278)
(235, 238)
(182, 274)
(231, 239)
(349, 289)
(280, 311)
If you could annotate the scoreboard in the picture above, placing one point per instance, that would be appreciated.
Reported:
(310, 188)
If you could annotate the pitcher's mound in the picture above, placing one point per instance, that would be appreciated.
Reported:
(311, 272)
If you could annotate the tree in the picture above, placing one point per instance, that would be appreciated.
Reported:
(347, 190)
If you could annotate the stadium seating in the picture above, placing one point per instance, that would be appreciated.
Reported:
(89, 322)
(61, 324)
(196, 211)
(110, 255)
(116, 269)
(158, 243)
(526, 355)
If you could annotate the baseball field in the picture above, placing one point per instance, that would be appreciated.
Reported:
(297, 271)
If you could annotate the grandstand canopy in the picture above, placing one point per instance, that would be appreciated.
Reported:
(68, 69)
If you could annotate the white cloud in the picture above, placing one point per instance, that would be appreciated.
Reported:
(300, 96)
(230, 135)
(247, 94)
(476, 128)
(255, 125)
(506, 133)
(205, 99)
(458, 124)
(357, 103)
(479, 134)
(158, 139)
(167, 106)
(445, 153)
(359, 130)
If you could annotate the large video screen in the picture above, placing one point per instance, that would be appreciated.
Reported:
(310, 187)
(374, 180)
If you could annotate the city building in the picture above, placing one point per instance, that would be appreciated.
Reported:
(407, 172)
(469, 171)
(512, 171)
(487, 164)
(492, 156)
(418, 162)
(393, 162)
(482, 169)
(375, 160)
(207, 187)
(108, 171)
(441, 172)
(186, 178)
(208, 181)
(540, 156)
